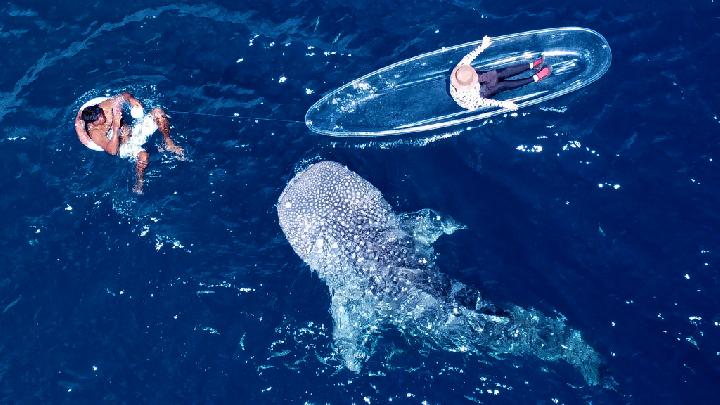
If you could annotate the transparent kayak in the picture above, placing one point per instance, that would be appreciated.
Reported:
(412, 95)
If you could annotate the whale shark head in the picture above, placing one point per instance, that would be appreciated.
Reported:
(335, 219)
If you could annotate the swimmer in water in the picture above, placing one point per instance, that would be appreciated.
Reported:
(472, 90)
(102, 127)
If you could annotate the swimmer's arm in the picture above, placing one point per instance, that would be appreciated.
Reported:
(469, 58)
(115, 126)
(112, 145)
(130, 99)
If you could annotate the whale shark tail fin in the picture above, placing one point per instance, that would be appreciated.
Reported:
(531, 332)
(454, 325)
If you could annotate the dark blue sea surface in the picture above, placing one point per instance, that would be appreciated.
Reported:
(600, 206)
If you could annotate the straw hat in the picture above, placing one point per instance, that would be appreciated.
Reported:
(463, 76)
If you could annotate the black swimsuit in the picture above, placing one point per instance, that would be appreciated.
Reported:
(493, 82)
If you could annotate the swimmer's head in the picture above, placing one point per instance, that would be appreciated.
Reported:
(464, 76)
(92, 114)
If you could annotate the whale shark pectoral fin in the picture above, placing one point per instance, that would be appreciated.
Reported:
(427, 225)
(355, 324)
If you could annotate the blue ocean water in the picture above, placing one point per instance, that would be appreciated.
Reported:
(600, 206)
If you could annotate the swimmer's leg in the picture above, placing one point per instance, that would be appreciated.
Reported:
(141, 164)
(512, 70)
(161, 120)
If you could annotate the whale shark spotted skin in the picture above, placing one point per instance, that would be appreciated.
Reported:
(380, 271)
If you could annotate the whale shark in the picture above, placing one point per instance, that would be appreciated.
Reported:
(379, 267)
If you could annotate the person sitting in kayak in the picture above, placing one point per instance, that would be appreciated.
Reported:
(472, 90)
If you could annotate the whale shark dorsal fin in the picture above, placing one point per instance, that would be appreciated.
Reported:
(427, 225)
(355, 327)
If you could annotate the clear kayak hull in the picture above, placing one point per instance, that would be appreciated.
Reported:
(412, 95)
